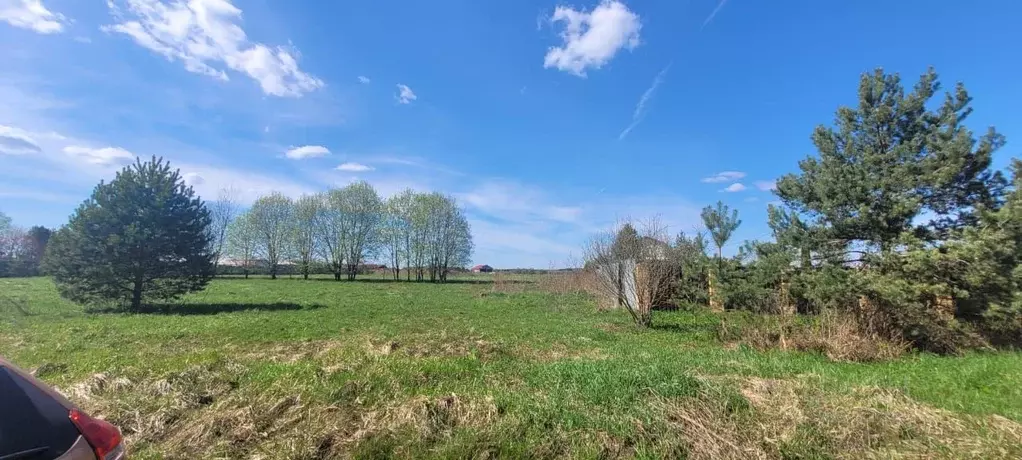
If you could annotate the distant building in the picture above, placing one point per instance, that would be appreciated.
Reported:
(482, 269)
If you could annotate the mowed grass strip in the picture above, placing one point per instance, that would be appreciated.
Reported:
(317, 369)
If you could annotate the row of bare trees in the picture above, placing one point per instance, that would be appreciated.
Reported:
(343, 228)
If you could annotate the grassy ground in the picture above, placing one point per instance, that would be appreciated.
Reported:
(320, 369)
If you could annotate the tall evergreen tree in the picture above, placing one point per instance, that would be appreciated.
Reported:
(140, 237)
(888, 161)
(721, 221)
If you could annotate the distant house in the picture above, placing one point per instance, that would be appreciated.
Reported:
(482, 269)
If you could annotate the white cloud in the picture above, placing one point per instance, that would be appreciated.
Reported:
(736, 187)
(14, 141)
(249, 185)
(354, 167)
(591, 39)
(100, 156)
(724, 176)
(32, 15)
(514, 201)
(766, 185)
(307, 151)
(194, 179)
(640, 108)
(364, 80)
(205, 36)
(405, 95)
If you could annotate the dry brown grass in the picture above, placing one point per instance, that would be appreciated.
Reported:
(871, 422)
(200, 413)
(841, 337)
(796, 419)
(568, 282)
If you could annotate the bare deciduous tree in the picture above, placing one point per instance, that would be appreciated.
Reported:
(396, 230)
(361, 209)
(222, 212)
(272, 215)
(304, 230)
(242, 239)
(330, 230)
(634, 267)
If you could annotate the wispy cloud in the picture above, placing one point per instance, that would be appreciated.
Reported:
(592, 38)
(735, 187)
(405, 94)
(354, 167)
(31, 15)
(766, 185)
(364, 80)
(640, 109)
(100, 156)
(712, 15)
(307, 151)
(14, 141)
(724, 176)
(206, 36)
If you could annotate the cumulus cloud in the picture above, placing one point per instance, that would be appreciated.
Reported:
(724, 176)
(736, 187)
(354, 167)
(307, 151)
(591, 39)
(14, 141)
(766, 185)
(32, 15)
(364, 80)
(405, 94)
(99, 156)
(206, 37)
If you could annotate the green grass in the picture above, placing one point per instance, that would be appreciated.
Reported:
(442, 370)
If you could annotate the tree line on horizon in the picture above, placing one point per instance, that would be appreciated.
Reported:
(146, 236)
(342, 228)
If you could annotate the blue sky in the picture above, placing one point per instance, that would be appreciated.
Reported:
(548, 121)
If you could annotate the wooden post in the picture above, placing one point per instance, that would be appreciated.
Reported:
(620, 300)
(642, 291)
(785, 303)
(715, 304)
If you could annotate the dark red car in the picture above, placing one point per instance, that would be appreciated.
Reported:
(37, 423)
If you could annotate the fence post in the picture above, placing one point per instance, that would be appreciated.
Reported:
(620, 283)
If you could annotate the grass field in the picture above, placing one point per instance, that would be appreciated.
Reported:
(321, 369)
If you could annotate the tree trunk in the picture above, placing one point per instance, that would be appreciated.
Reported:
(714, 291)
(136, 295)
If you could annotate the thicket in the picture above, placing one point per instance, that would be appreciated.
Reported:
(898, 223)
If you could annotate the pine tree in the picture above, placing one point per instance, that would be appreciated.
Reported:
(141, 237)
(888, 161)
